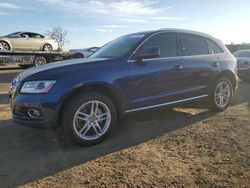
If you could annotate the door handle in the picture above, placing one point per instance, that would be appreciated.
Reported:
(178, 67)
(215, 64)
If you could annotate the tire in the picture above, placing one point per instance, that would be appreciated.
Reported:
(221, 94)
(39, 60)
(4, 46)
(47, 48)
(81, 126)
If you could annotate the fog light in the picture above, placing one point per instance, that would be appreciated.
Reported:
(33, 113)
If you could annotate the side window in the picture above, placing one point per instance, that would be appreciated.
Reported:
(24, 35)
(36, 35)
(31, 35)
(214, 47)
(193, 45)
(166, 42)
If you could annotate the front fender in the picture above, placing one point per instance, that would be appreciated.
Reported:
(8, 42)
(98, 86)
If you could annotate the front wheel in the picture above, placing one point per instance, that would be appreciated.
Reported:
(221, 94)
(4, 46)
(89, 118)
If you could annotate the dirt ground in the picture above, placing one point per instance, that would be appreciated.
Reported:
(186, 146)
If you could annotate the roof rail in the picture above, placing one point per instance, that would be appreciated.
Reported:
(185, 31)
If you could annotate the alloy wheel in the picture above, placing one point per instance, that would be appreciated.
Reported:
(4, 46)
(223, 94)
(92, 120)
(47, 48)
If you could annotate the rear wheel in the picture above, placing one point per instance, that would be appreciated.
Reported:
(47, 48)
(4, 46)
(221, 94)
(89, 118)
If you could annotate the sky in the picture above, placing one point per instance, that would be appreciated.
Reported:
(96, 22)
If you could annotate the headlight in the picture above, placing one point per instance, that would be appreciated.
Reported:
(38, 86)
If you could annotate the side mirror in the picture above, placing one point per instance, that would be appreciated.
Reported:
(147, 53)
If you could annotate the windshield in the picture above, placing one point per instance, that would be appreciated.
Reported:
(119, 47)
(242, 54)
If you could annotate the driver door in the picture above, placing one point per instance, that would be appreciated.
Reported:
(157, 80)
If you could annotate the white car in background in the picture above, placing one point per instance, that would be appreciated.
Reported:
(243, 63)
(85, 52)
(27, 41)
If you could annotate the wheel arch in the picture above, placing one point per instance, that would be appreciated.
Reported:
(231, 76)
(102, 88)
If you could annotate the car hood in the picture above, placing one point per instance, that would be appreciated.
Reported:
(55, 65)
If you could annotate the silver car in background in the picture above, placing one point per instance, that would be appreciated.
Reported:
(243, 63)
(27, 41)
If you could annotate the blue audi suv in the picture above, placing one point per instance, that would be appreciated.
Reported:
(135, 72)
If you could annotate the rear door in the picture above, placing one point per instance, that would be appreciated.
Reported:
(36, 41)
(199, 64)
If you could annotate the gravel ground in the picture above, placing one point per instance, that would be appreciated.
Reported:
(186, 146)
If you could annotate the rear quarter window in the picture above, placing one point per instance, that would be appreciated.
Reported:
(215, 48)
(193, 45)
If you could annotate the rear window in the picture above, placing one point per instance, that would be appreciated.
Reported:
(193, 45)
(214, 47)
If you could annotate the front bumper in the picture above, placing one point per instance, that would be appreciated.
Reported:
(45, 104)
